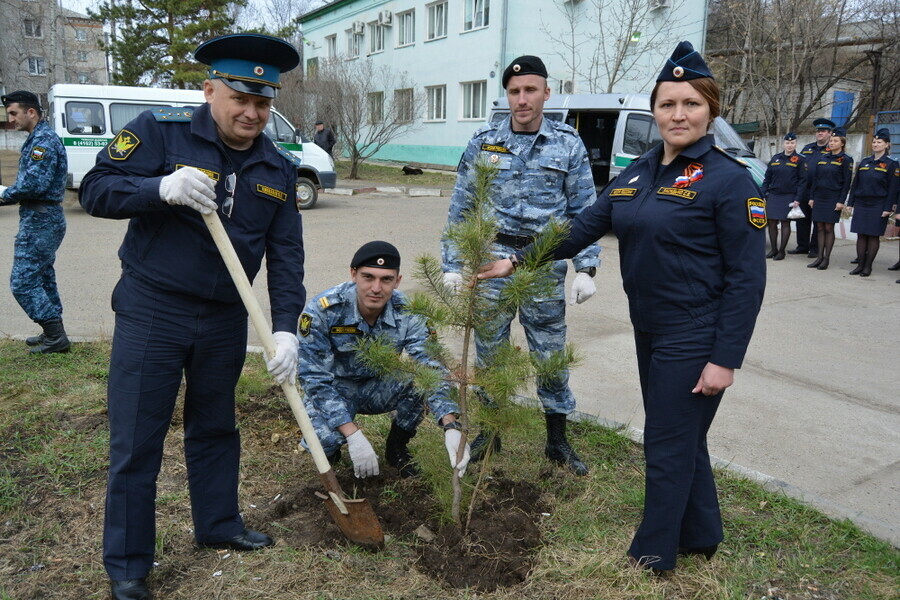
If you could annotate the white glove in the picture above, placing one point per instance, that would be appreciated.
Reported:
(582, 288)
(365, 461)
(284, 364)
(2, 190)
(453, 281)
(452, 437)
(189, 187)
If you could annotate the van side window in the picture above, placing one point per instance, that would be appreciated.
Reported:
(85, 118)
(121, 114)
(641, 134)
(279, 129)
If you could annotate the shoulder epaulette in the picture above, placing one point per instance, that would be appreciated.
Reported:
(173, 115)
(743, 163)
(484, 129)
(287, 155)
(564, 127)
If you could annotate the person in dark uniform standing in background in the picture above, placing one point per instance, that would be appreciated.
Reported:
(324, 138)
(830, 175)
(873, 195)
(692, 253)
(807, 243)
(39, 191)
(178, 313)
(784, 186)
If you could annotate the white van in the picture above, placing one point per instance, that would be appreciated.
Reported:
(87, 117)
(617, 128)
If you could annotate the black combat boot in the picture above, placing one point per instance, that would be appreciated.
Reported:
(397, 453)
(485, 440)
(35, 340)
(558, 449)
(55, 339)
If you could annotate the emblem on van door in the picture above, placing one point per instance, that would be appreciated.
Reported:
(122, 145)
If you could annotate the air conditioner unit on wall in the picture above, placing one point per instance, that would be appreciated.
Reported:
(566, 86)
(385, 17)
(655, 4)
(359, 27)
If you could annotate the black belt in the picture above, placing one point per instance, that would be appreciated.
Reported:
(515, 241)
(39, 206)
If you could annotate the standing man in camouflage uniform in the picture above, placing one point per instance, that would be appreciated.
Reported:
(39, 190)
(544, 173)
(338, 387)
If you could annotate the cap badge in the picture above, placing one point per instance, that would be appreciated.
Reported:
(494, 158)
(678, 72)
(259, 70)
(380, 261)
(517, 68)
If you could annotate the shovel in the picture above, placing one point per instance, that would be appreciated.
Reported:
(354, 517)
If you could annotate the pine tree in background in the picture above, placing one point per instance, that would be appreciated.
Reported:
(501, 376)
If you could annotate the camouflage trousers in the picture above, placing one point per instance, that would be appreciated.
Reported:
(33, 279)
(368, 397)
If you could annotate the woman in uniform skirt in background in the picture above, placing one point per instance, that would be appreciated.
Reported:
(829, 181)
(783, 187)
(872, 196)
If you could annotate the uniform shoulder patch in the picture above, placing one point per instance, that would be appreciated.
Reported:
(38, 152)
(287, 155)
(564, 127)
(121, 147)
(304, 325)
(756, 212)
(722, 151)
(173, 115)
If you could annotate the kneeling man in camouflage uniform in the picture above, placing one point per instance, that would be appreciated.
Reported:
(337, 386)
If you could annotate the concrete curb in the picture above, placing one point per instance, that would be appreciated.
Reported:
(392, 190)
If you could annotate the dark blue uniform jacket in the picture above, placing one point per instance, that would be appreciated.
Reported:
(830, 176)
(691, 256)
(876, 180)
(170, 246)
(785, 175)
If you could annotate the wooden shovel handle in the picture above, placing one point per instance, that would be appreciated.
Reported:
(223, 243)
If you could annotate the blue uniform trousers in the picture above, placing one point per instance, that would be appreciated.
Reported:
(33, 278)
(680, 504)
(159, 337)
(373, 396)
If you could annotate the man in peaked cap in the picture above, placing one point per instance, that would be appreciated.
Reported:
(178, 314)
(543, 173)
(807, 241)
(337, 386)
(39, 191)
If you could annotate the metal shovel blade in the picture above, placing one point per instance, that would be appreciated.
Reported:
(354, 517)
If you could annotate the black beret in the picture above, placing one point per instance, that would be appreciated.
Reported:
(824, 124)
(883, 134)
(378, 254)
(21, 96)
(684, 64)
(790, 136)
(840, 132)
(524, 65)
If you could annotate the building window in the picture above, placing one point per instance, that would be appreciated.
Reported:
(331, 46)
(376, 38)
(477, 13)
(81, 35)
(404, 104)
(437, 103)
(474, 94)
(354, 43)
(406, 28)
(84, 78)
(33, 29)
(82, 55)
(376, 107)
(437, 21)
(37, 66)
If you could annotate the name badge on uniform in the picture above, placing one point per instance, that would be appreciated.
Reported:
(270, 191)
(623, 192)
(677, 192)
(305, 324)
(756, 212)
(211, 174)
(495, 149)
(122, 145)
(346, 329)
(37, 153)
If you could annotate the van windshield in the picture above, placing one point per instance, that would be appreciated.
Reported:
(728, 139)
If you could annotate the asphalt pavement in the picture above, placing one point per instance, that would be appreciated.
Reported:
(813, 412)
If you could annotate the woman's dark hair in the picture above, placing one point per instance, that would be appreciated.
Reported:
(706, 87)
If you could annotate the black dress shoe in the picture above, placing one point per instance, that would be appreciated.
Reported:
(815, 264)
(866, 272)
(130, 589)
(779, 256)
(707, 551)
(894, 267)
(772, 253)
(823, 265)
(247, 541)
(812, 254)
(857, 270)
(797, 251)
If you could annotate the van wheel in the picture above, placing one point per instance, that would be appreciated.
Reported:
(307, 194)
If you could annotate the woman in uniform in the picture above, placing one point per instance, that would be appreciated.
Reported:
(829, 181)
(692, 253)
(872, 195)
(783, 187)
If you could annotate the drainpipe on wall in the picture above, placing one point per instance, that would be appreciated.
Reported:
(504, 25)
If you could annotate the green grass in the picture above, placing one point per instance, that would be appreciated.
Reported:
(53, 440)
(392, 175)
